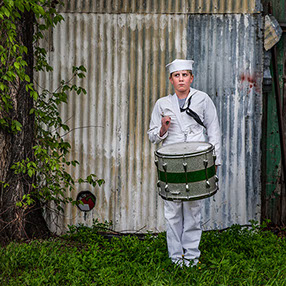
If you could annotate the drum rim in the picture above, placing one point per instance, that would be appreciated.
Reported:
(194, 198)
(211, 148)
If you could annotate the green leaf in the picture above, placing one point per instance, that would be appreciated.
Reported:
(6, 11)
(19, 5)
(27, 78)
(30, 172)
(2, 86)
(16, 125)
(100, 182)
(16, 65)
(41, 10)
(34, 94)
(10, 2)
(82, 68)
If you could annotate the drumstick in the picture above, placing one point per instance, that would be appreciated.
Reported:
(168, 121)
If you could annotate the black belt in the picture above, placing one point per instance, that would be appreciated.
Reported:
(192, 113)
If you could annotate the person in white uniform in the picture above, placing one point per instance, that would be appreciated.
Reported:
(187, 115)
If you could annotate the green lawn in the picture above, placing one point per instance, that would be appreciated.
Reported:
(237, 256)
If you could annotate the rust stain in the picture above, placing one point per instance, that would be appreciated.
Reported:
(250, 81)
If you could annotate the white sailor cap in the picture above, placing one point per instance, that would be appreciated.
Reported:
(180, 65)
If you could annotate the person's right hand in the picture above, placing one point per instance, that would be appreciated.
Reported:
(165, 124)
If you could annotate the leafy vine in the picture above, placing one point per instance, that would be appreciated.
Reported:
(47, 165)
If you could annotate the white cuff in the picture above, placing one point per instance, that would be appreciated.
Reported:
(164, 135)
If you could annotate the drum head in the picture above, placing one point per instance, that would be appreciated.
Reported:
(184, 148)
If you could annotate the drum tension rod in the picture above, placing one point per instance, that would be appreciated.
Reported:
(185, 165)
(215, 177)
(214, 157)
(208, 185)
(158, 182)
(156, 162)
(165, 170)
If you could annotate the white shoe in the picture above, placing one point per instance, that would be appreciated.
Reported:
(190, 262)
(187, 262)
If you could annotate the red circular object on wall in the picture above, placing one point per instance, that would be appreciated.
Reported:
(87, 200)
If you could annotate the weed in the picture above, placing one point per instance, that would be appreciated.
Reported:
(237, 256)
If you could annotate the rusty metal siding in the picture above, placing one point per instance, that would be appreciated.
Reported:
(227, 50)
(163, 7)
(125, 57)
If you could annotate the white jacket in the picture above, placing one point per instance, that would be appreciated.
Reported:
(183, 128)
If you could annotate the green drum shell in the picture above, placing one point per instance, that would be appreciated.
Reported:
(194, 175)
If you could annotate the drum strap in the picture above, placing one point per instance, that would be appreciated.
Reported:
(192, 113)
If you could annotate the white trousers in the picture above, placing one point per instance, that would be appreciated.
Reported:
(183, 222)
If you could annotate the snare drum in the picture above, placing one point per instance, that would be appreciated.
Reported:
(186, 171)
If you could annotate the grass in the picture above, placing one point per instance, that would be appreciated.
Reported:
(237, 256)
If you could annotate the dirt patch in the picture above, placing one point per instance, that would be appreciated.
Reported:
(276, 229)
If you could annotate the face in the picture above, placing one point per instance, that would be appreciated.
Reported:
(181, 80)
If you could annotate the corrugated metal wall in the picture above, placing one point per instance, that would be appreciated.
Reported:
(162, 6)
(228, 52)
(125, 56)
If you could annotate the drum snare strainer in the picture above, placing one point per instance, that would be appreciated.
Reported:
(186, 171)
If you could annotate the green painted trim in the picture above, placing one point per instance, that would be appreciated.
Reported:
(179, 178)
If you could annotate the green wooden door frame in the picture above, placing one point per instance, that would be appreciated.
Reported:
(273, 188)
